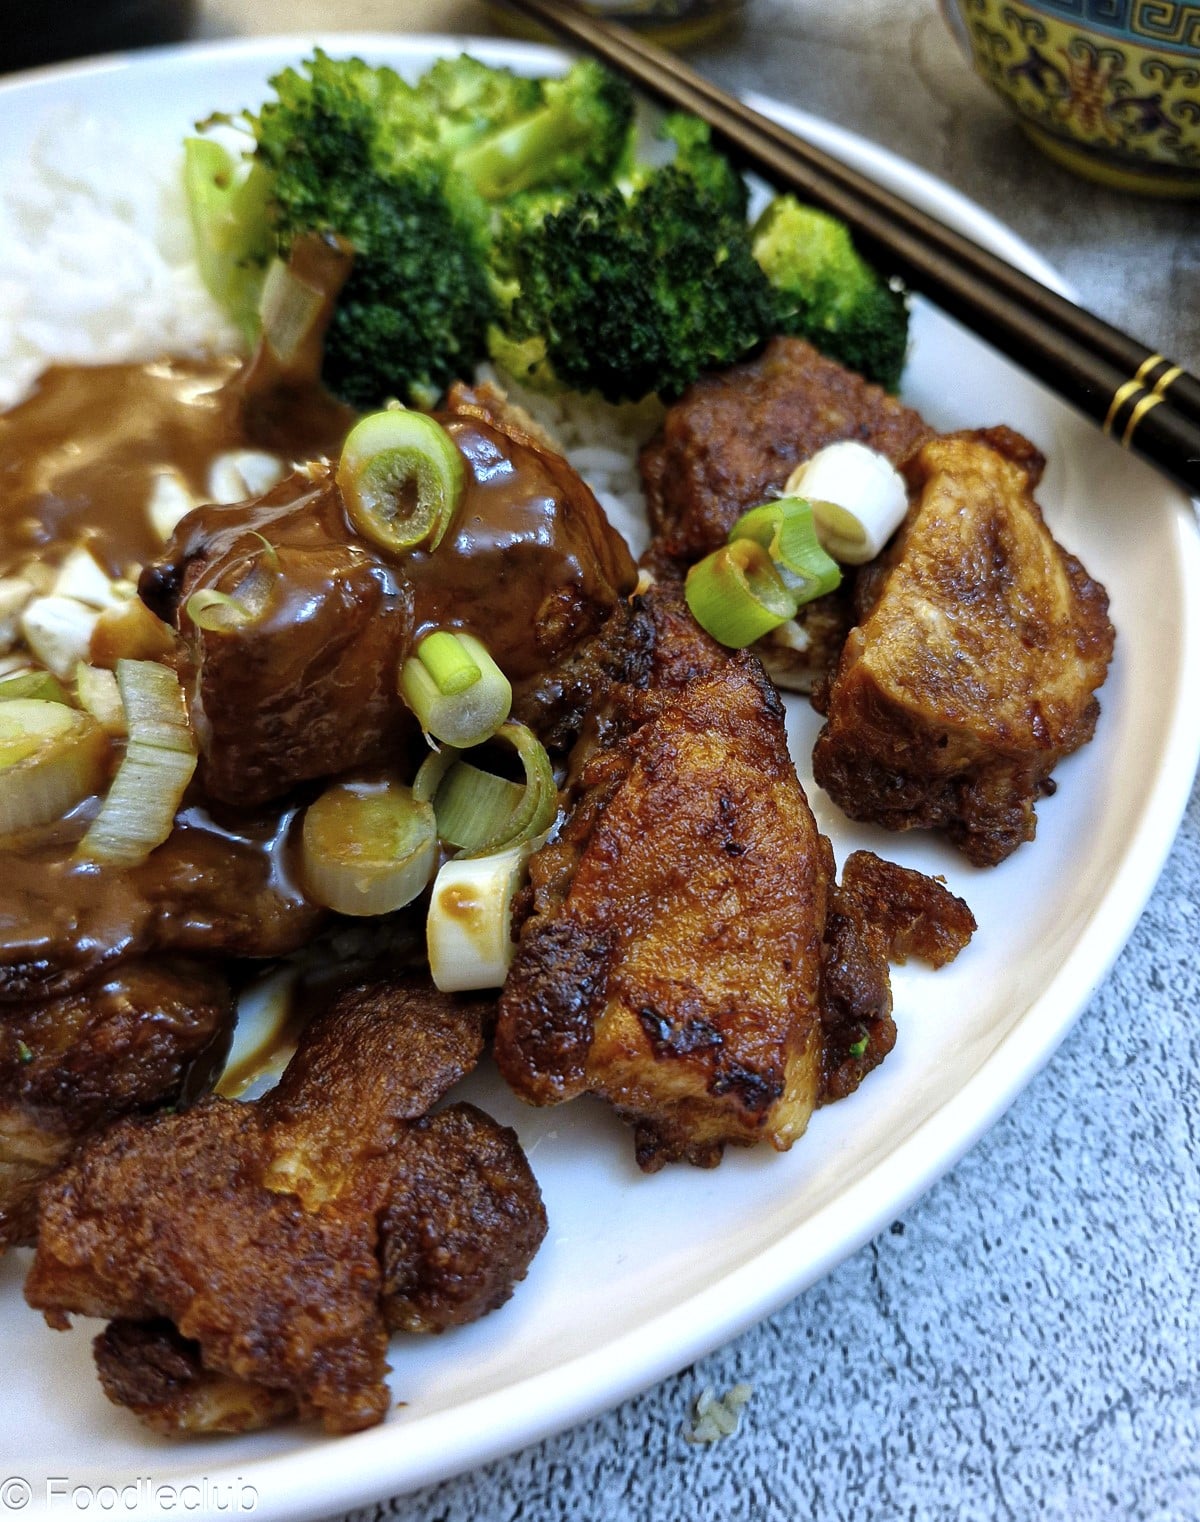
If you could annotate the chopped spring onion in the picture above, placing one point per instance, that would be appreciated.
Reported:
(264, 1038)
(51, 758)
(458, 693)
(139, 811)
(100, 696)
(469, 927)
(449, 661)
(401, 477)
(243, 473)
(218, 613)
(169, 504)
(369, 847)
(479, 812)
(785, 529)
(736, 594)
(15, 594)
(41, 685)
(858, 499)
(222, 613)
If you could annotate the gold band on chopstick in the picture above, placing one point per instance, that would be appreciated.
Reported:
(1141, 394)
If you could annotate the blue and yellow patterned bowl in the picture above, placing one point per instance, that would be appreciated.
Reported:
(1111, 88)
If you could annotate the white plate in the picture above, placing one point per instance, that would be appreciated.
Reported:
(639, 1276)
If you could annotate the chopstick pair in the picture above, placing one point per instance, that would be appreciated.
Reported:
(1140, 398)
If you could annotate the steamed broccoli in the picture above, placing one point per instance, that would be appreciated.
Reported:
(414, 313)
(635, 291)
(828, 294)
(406, 174)
(490, 212)
(579, 136)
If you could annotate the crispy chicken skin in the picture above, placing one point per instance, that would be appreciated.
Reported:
(733, 438)
(878, 914)
(974, 667)
(674, 962)
(254, 1257)
(151, 1033)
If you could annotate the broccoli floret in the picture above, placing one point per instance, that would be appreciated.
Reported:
(462, 100)
(407, 175)
(696, 156)
(227, 201)
(579, 136)
(414, 313)
(628, 294)
(827, 293)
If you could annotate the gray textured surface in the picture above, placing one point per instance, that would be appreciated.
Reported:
(1025, 1343)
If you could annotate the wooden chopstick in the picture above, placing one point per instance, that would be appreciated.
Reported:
(1139, 397)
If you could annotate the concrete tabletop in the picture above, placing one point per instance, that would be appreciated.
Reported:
(1025, 1341)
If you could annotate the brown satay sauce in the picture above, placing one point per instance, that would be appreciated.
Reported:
(528, 565)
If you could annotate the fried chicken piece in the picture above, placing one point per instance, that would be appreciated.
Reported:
(878, 914)
(689, 956)
(734, 438)
(672, 962)
(975, 670)
(150, 1034)
(254, 1257)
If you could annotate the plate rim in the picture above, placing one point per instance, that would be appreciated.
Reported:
(296, 1484)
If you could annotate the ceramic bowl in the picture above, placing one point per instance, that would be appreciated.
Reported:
(1110, 88)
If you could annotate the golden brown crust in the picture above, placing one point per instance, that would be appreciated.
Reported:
(672, 961)
(973, 671)
(269, 1234)
(152, 1033)
(879, 913)
(147, 1367)
(733, 439)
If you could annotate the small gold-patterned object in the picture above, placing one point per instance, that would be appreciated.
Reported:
(1110, 88)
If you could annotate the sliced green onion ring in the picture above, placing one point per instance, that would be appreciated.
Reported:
(859, 499)
(480, 813)
(220, 613)
(736, 594)
(51, 758)
(139, 812)
(368, 846)
(468, 931)
(786, 530)
(401, 477)
(458, 693)
(449, 661)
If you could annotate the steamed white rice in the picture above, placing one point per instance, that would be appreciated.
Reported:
(95, 256)
(96, 266)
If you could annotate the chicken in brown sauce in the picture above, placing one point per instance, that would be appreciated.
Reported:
(529, 565)
(310, 694)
